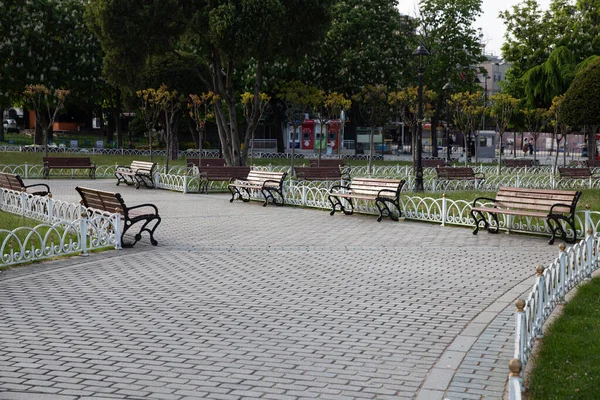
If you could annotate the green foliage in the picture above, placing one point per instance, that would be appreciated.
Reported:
(581, 105)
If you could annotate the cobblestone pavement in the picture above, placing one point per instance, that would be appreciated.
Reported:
(240, 301)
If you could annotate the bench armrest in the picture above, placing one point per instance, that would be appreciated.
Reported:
(278, 183)
(345, 174)
(38, 184)
(392, 192)
(560, 205)
(479, 175)
(482, 198)
(338, 187)
(141, 206)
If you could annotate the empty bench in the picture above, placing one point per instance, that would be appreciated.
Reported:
(446, 174)
(384, 192)
(71, 163)
(552, 205)
(14, 182)
(270, 184)
(326, 162)
(517, 162)
(204, 162)
(98, 201)
(138, 173)
(575, 173)
(433, 163)
(321, 174)
(223, 173)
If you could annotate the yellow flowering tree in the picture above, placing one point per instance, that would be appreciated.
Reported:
(502, 109)
(252, 110)
(200, 110)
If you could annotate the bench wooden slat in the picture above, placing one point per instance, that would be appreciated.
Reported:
(137, 173)
(319, 173)
(68, 163)
(268, 182)
(382, 191)
(14, 182)
(457, 173)
(575, 173)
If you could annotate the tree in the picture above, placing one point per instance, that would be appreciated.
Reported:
(248, 103)
(170, 103)
(298, 99)
(502, 109)
(405, 104)
(46, 104)
(561, 129)
(535, 120)
(581, 104)
(150, 111)
(466, 110)
(46, 42)
(201, 110)
(446, 29)
(228, 36)
(373, 103)
(336, 105)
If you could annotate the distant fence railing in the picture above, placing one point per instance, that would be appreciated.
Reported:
(552, 283)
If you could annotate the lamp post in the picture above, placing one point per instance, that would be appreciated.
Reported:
(485, 97)
(420, 52)
(447, 88)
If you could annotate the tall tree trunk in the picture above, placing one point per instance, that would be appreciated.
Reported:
(434, 123)
(255, 117)
(2, 127)
(371, 148)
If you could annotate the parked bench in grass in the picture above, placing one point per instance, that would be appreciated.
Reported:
(326, 162)
(321, 174)
(384, 192)
(458, 174)
(575, 173)
(221, 173)
(71, 163)
(205, 162)
(109, 202)
(14, 182)
(269, 183)
(433, 163)
(517, 162)
(552, 205)
(138, 173)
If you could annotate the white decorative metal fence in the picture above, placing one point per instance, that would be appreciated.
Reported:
(65, 229)
(570, 268)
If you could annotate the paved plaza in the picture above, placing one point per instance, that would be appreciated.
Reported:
(240, 301)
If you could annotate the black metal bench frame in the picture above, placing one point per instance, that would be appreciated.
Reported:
(14, 182)
(49, 163)
(138, 173)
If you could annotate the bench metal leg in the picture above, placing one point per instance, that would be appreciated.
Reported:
(272, 193)
(384, 209)
(235, 191)
(144, 228)
(486, 224)
(338, 202)
(558, 228)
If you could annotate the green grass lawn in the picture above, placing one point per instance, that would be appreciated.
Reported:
(567, 365)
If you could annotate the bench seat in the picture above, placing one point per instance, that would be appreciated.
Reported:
(270, 184)
(14, 182)
(110, 202)
(384, 192)
(138, 173)
(321, 174)
(68, 163)
(223, 173)
(552, 205)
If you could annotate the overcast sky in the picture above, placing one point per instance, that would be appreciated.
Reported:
(492, 26)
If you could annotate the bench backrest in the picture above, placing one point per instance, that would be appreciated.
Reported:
(372, 186)
(212, 162)
(537, 199)
(67, 161)
(11, 181)
(106, 201)
(432, 163)
(326, 162)
(318, 173)
(224, 172)
(511, 162)
(575, 172)
(455, 172)
(145, 167)
(260, 177)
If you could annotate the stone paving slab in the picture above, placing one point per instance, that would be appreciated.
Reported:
(243, 301)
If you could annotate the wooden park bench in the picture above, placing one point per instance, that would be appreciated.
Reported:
(220, 173)
(384, 192)
(205, 162)
(138, 173)
(108, 202)
(71, 163)
(552, 205)
(458, 174)
(269, 183)
(326, 162)
(517, 162)
(321, 174)
(14, 182)
(433, 163)
(575, 173)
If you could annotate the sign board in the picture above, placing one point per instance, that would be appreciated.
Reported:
(74, 144)
(99, 144)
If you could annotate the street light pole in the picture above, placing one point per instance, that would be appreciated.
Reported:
(420, 52)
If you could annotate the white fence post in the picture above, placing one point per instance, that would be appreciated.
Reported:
(23, 202)
(588, 220)
(118, 232)
(562, 273)
(185, 183)
(520, 334)
(50, 208)
(444, 209)
(540, 302)
(83, 226)
(514, 379)
(26, 171)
